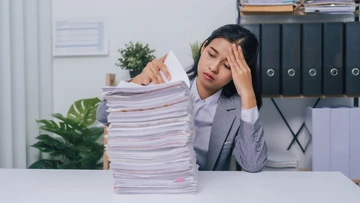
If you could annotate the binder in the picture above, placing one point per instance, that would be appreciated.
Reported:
(255, 29)
(318, 122)
(290, 59)
(311, 59)
(333, 58)
(352, 58)
(270, 59)
(354, 143)
(340, 155)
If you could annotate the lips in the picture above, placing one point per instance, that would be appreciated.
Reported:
(208, 76)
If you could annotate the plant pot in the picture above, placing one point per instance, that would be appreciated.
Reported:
(134, 73)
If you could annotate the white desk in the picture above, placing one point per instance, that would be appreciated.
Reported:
(61, 186)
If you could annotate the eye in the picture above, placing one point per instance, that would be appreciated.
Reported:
(211, 55)
(227, 66)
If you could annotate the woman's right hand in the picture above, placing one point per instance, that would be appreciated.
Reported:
(151, 73)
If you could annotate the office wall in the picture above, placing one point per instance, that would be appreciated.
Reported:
(164, 25)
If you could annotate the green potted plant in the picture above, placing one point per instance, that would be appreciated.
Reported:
(195, 50)
(75, 143)
(135, 57)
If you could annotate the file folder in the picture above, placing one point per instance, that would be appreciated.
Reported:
(354, 143)
(333, 58)
(318, 122)
(311, 59)
(255, 29)
(290, 59)
(352, 58)
(340, 155)
(270, 59)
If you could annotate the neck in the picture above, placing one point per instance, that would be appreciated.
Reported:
(202, 91)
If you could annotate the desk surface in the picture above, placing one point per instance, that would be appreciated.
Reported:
(60, 186)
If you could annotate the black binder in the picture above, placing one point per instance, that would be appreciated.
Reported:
(255, 29)
(352, 58)
(311, 59)
(290, 59)
(270, 59)
(333, 59)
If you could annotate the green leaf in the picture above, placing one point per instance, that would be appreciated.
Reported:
(74, 143)
(71, 165)
(94, 134)
(68, 134)
(53, 151)
(45, 164)
(195, 50)
(135, 56)
(84, 111)
(86, 134)
(77, 127)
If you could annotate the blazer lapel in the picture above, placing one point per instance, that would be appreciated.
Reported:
(222, 124)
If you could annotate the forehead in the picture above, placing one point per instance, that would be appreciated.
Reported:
(221, 45)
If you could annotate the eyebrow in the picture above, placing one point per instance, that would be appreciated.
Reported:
(214, 50)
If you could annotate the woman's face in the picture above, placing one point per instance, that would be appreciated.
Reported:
(213, 68)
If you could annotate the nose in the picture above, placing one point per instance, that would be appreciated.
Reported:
(214, 68)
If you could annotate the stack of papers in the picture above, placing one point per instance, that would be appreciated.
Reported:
(150, 138)
(279, 160)
(266, 5)
(329, 6)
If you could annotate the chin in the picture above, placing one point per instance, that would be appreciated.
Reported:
(209, 85)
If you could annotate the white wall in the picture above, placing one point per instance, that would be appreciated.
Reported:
(164, 25)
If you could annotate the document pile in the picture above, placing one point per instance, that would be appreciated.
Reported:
(150, 138)
(279, 160)
(329, 6)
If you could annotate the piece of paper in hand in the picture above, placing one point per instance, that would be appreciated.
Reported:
(176, 70)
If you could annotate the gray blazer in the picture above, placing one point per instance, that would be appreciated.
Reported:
(230, 136)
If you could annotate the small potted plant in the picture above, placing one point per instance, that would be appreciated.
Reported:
(135, 57)
(195, 50)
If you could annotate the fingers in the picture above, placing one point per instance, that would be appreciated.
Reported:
(162, 59)
(151, 72)
(149, 75)
(236, 51)
(164, 69)
(145, 76)
(156, 73)
(239, 56)
(145, 80)
(232, 61)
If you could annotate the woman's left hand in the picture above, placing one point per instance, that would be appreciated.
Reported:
(241, 74)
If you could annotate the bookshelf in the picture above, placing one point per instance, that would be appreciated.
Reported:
(299, 18)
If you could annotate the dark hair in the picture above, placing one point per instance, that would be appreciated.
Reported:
(235, 33)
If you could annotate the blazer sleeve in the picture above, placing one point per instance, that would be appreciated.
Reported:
(101, 113)
(250, 150)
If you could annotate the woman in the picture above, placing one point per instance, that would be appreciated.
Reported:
(227, 97)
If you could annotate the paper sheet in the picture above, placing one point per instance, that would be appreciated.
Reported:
(175, 69)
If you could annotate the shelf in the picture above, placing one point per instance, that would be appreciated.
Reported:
(295, 17)
(319, 96)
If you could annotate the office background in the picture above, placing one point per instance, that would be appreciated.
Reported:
(53, 84)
